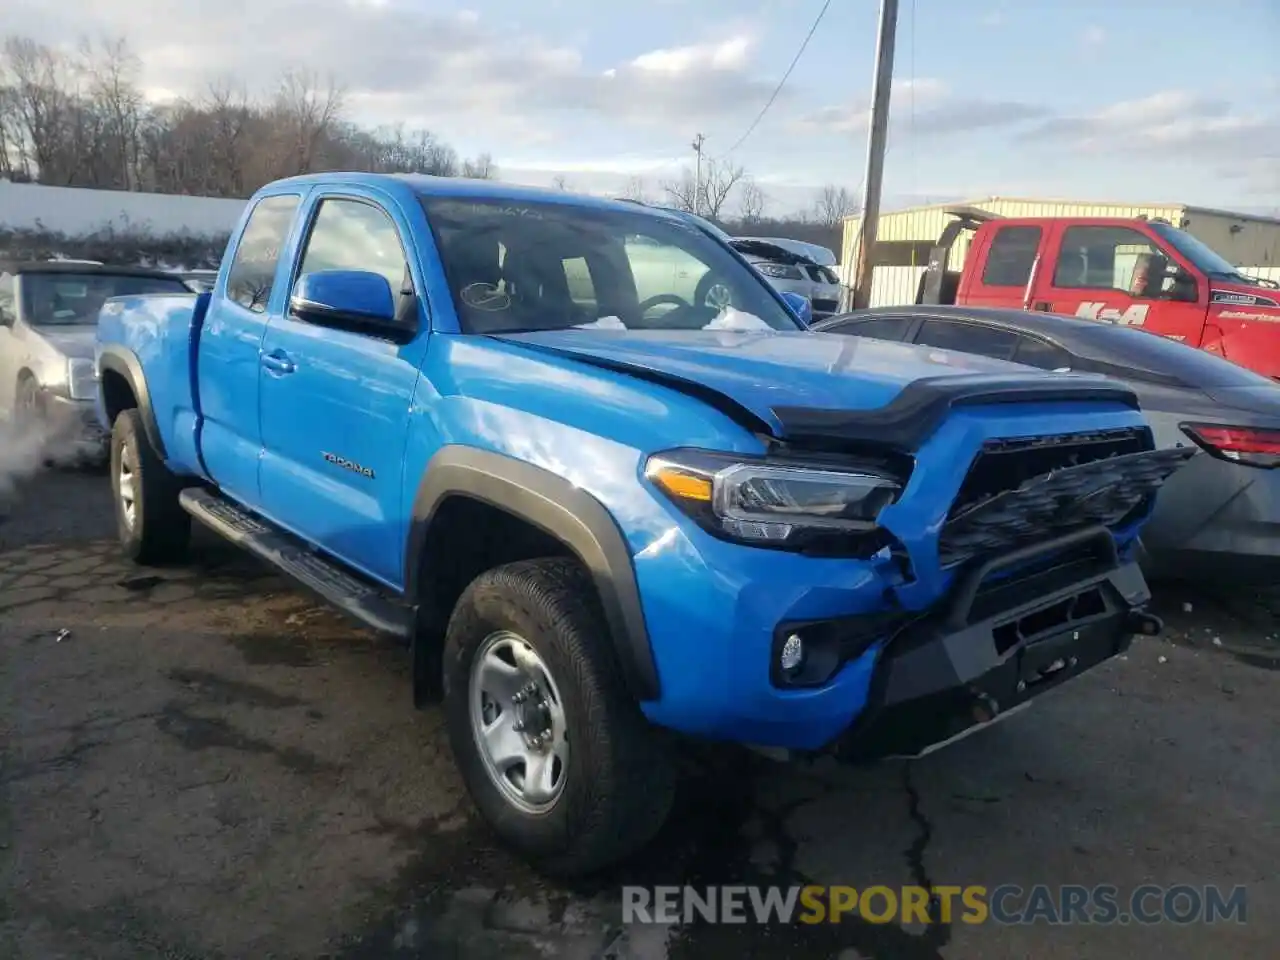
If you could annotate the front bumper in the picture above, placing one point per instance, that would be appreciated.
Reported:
(74, 428)
(992, 649)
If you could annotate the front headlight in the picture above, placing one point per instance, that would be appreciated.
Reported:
(780, 271)
(776, 504)
(82, 379)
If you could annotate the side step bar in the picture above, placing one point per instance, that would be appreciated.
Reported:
(364, 601)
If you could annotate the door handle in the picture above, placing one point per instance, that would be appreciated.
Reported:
(277, 361)
(1042, 306)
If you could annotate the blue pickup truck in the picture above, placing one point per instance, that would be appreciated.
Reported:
(480, 418)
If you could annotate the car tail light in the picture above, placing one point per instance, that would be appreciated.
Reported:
(1252, 446)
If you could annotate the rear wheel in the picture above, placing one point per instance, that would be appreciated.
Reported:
(153, 527)
(553, 749)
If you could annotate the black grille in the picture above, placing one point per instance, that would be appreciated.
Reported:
(1007, 464)
(825, 306)
(1103, 491)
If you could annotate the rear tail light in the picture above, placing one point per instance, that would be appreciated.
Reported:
(1248, 445)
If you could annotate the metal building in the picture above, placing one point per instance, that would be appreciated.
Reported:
(905, 237)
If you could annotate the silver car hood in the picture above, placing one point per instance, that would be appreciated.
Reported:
(73, 342)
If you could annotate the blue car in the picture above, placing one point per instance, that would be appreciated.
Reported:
(597, 513)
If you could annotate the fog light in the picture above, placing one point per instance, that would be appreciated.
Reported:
(792, 655)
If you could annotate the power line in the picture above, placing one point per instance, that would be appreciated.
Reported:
(781, 83)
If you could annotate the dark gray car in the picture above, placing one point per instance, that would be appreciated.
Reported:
(1219, 517)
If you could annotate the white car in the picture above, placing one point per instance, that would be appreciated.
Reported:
(793, 266)
(48, 318)
(790, 266)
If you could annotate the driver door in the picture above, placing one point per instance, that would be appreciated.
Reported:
(1114, 273)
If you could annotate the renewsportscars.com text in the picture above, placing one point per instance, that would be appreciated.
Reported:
(1007, 904)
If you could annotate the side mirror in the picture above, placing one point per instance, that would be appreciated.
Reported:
(350, 299)
(800, 306)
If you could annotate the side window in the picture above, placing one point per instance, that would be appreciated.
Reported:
(1110, 258)
(354, 235)
(878, 328)
(253, 272)
(968, 338)
(578, 276)
(1038, 353)
(1011, 256)
(8, 303)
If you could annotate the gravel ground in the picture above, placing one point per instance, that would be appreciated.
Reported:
(209, 766)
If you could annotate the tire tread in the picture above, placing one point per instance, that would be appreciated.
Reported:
(622, 801)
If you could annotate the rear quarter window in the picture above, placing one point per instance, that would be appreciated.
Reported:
(1011, 256)
(879, 328)
(253, 271)
(968, 338)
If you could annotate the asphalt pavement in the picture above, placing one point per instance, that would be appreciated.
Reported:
(201, 763)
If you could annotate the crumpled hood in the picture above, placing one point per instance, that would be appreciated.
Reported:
(765, 371)
(761, 251)
(72, 342)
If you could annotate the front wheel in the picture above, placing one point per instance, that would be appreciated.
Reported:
(153, 527)
(554, 751)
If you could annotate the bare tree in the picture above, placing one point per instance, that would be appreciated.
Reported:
(751, 202)
(42, 102)
(113, 90)
(682, 193)
(82, 121)
(15, 151)
(306, 110)
(635, 190)
(834, 204)
(559, 182)
(481, 168)
(718, 182)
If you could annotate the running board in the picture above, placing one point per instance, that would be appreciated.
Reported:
(369, 604)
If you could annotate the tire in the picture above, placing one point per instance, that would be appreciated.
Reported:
(153, 527)
(27, 412)
(702, 293)
(29, 415)
(617, 778)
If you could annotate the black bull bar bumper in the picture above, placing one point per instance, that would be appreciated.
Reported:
(994, 646)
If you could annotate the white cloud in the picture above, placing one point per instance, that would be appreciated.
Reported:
(402, 63)
(923, 107)
(1178, 126)
(729, 54)
(1094, 37)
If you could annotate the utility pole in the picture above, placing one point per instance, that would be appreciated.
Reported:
(876, 143)
(697, 172)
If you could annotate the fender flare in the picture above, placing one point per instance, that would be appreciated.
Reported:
(559, 509)
(122, 361)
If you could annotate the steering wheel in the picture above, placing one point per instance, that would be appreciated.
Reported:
(663, 298)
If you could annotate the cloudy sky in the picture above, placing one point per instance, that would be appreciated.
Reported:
(1144, 100)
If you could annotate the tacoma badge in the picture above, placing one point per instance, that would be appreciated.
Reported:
(348, 465)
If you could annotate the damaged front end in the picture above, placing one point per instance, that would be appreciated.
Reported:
(998, 642)
(1042, 595)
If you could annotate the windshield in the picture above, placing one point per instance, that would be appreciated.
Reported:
(514, 267)
(70, 299)
(1201, 255)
